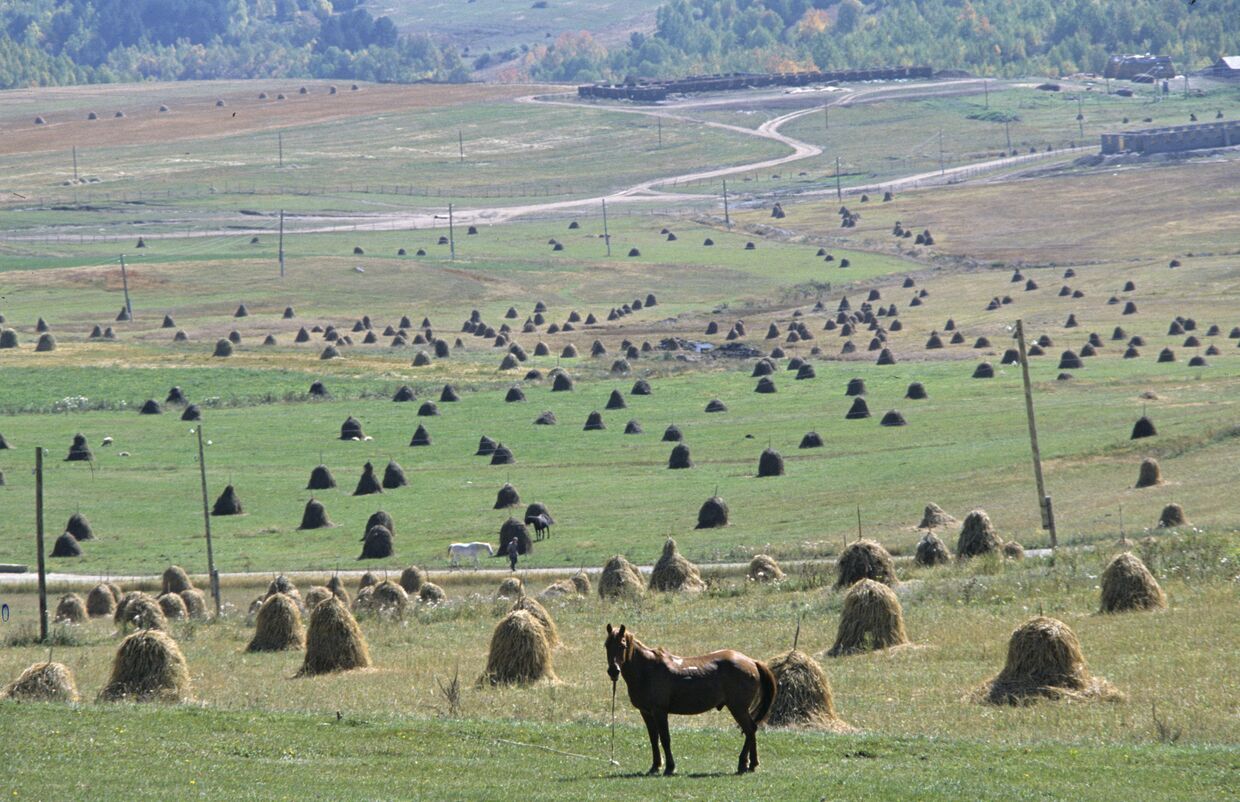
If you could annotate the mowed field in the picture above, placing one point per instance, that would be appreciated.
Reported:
(919, 731)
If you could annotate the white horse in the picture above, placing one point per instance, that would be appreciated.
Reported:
(471, 550)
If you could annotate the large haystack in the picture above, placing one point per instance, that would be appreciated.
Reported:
(520, 652)
(386, 599)
(673, 573)
(321, 479)
(175, 580)
(763, 568)
(66, 546)
(79, 527)
(70, 609)
(314, 516)
(872, 619)
(394, 476)
(770, 463)
(195, 604)
(1044, 661)
(864, 559)
(1128, 585)
(368, 483)
(506, 497)
(278, 626)
(534, 608)
(931, 551)
(378, 544)
(100, 602)
(334, 642)
(680, 457)
(713, 513)
(79, 451)
(977, 536)
(620, 580)
(43, 682)
(149, 667)
(228, 503)
(804, 698)
(173, 606)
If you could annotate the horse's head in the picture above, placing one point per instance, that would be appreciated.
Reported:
(619, 646)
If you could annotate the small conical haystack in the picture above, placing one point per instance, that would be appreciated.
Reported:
(804, 698)
(872, 619)
(149, 666)
(673, 573)
(864, 559)
(620, 579)
(334, 642)
(520, 653)
(1128, 585)
(43, 682)
(1044, 661)
(278, 626)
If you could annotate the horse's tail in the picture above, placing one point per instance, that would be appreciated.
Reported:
(766, 696)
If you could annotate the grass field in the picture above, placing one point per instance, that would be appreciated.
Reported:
(252, 731)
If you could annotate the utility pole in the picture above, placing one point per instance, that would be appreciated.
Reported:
(75, 173)
(451, 235)
(1007, 132)
(727, 217)
(281, 253)
(206, 519)
(606, 233)
(986, 89)
(38, 538)
(659, 122)
(1185, 97)
(839, 194)
(460, 144)
(280, 146)
(125, 287)
(1080, 116)
(942, 171)
(1044, 501)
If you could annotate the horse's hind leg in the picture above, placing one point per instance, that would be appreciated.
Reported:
(665, 736)
(652, 730)
(748, 760)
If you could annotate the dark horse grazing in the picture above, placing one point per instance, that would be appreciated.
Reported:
(541, 524)
(660, 683)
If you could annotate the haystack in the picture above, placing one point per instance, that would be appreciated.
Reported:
(536, 509)
(412, 579)
(1044, 661)
(387, 599)
(502, 455)
(421, 437)
(620, 579)
(520, 652)
(811, 440)
(430, 593)
(195, 604)
(223, 348)
(506, 497)
(1144, 427)
(770, 463)
(334, 642)
(672, 434)
(511, 588)
(351, 429)
(79, 527)
(1150, 474)
(79, 451)
(594, 422)
(314, 516)
(100, 602)
(70, 609)
(763, 568)
(321, 479)
(1013, 550)
(66, 546)
(149, 667)
(368, 483)
(931, 551)
(173, 606)
(934, 518)
(393, 476)
(227, 503)
(872, 619)
(192, 413)
(673, 573)
(864, 559)
(804, 698)
(1128, 585)
(859, 410)
(977, 536)
(175, 580)
(512, 529)
(336, 586)
(680, 457)
(1171, 517)
(713, 513)
(540, 614)
(377, 544)
(43, 682)
(316, 595)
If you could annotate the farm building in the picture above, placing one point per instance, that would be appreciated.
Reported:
(1173, 139)
(1226, 67)
(1133, 66)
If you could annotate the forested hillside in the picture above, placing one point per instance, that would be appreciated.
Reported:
(992, 37)
(48, 42)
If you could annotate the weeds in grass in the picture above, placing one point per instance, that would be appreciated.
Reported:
(60, 635)
(1166, 732)
(451, 691)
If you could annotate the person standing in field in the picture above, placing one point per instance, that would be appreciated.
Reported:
(513, 549)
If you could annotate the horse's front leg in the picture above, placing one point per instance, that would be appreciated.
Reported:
(665, 736)
(652, 730)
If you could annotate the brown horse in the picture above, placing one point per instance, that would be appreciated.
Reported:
(660, 683)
